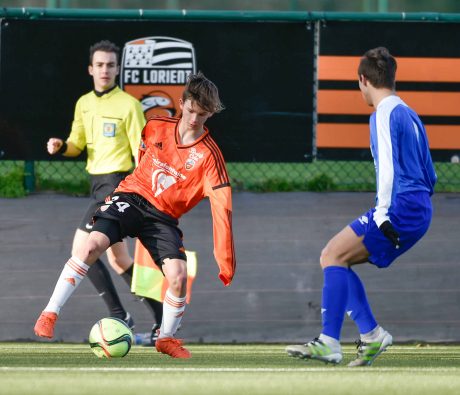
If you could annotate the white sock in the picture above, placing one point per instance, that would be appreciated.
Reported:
(334, 344)
(71, 276)
(373, 335)
(173, 310)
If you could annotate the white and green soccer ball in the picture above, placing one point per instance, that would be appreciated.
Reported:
(110, 338)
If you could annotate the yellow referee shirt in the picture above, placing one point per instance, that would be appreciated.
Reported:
(110, 128)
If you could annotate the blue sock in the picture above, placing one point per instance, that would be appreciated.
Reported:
(335, 295)
(358, 307)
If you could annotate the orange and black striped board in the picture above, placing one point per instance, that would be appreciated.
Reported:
(428, 82)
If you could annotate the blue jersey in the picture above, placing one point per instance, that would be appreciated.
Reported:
(402, 159)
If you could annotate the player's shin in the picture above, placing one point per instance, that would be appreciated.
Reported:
(173, 310)
(335, 295)
(358, 307)
(74, 271)
(71, 276)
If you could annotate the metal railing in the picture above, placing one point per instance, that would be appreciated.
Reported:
(148, 14)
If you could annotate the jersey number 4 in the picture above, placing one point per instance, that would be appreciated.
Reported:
(122, 206)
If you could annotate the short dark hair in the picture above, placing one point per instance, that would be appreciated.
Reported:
(204, 92)
(104, 46)
(379, 67)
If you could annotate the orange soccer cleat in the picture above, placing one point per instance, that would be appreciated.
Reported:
(44, 327)
(172, 347)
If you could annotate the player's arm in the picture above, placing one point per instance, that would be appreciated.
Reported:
(217, 188)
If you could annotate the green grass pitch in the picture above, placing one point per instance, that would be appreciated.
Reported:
(50, 368)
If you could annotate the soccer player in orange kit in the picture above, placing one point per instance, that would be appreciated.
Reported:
(179, 165)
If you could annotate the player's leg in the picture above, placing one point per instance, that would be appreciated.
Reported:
(72, 274)
(358, 308)
(164, 243)
(342, 250)
(102, 281)
(175, 271)
(119, 257)
(373, 338)
(101, 187)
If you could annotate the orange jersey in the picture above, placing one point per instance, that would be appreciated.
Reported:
(175, 178)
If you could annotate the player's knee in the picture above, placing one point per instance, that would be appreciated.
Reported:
(92, 249)
(178, 283)
(328, 257)
(175, 271)
(323, 258)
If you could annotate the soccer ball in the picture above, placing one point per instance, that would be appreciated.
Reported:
(110, 338)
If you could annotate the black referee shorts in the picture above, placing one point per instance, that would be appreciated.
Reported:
(129, 214)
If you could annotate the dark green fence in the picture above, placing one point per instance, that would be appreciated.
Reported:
(19, 177)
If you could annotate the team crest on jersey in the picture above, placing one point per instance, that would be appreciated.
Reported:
(189, 164)
(155, 71)
(193, 158)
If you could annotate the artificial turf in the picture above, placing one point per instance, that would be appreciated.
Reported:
(52, 368)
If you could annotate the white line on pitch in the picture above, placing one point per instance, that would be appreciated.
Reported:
(235, 370)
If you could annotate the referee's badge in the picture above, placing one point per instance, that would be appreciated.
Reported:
(108, 129)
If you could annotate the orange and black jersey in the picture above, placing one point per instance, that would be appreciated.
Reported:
(175, 178)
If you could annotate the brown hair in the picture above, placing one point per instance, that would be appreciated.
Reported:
(204, 92)
(104, 46)
(379, 67)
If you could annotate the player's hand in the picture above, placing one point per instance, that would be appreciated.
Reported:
(390, 233)
(53, 145)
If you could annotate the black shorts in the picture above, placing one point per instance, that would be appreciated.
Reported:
(102, 185)
(132, 215)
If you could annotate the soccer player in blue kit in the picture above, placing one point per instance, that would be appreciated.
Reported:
(402, 214)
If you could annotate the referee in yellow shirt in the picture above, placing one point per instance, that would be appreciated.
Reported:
(108, 122)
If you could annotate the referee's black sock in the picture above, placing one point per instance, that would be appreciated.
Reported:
(100, 277)
(155, 307)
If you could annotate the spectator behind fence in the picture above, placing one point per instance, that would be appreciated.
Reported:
(108, 123)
